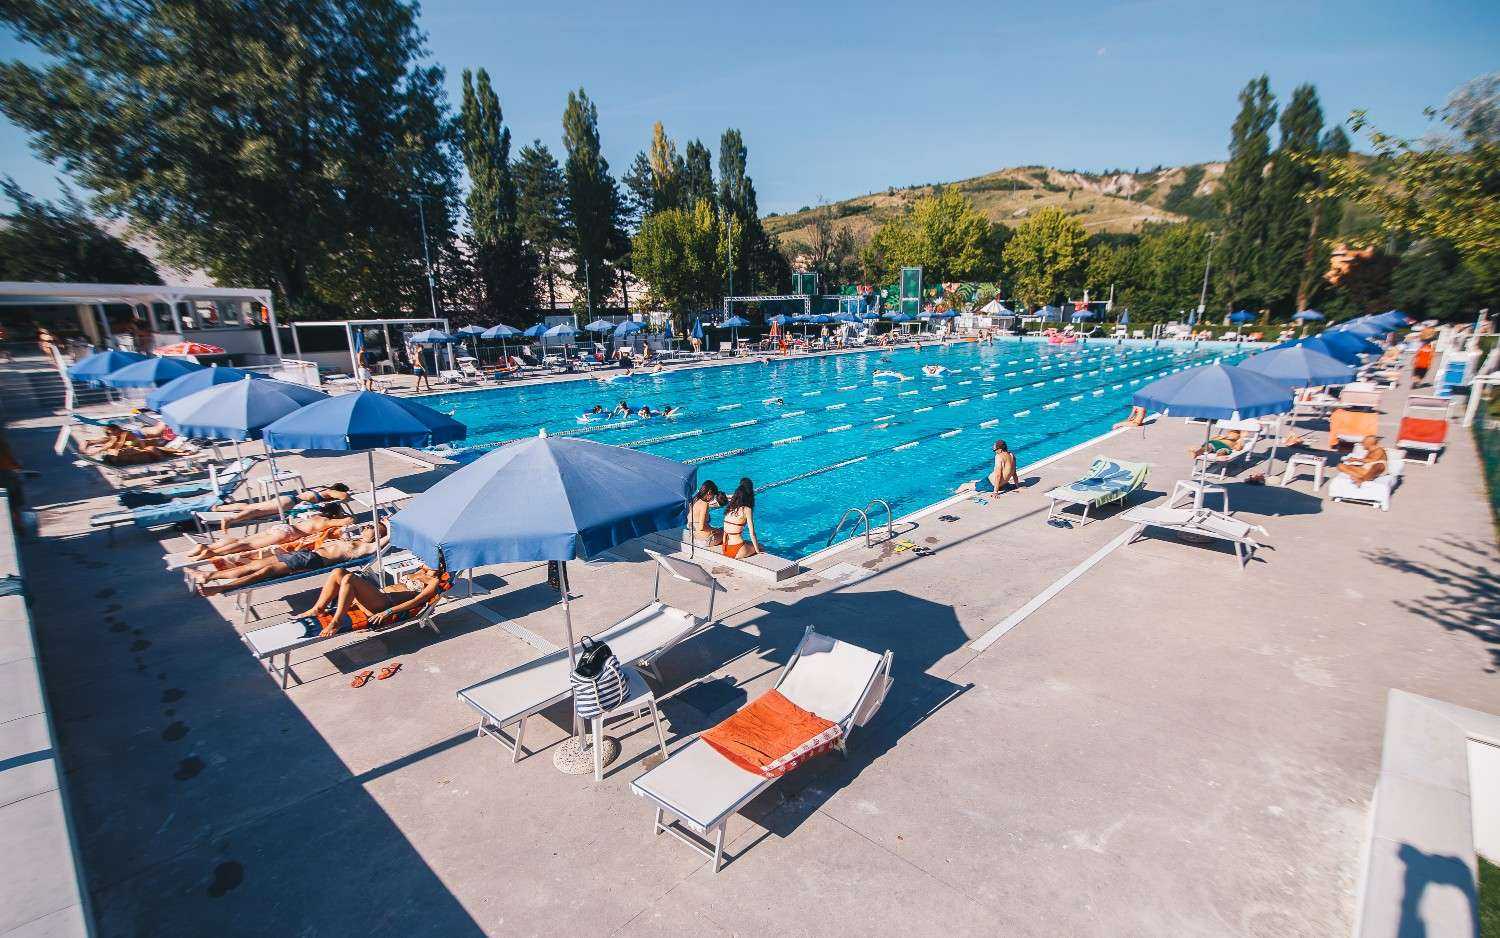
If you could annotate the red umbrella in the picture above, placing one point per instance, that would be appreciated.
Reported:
(190, 348)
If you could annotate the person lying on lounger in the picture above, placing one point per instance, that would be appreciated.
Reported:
(286, 562)
(1221, 445)
(238, 512)
(360, 603)
(1369, 465)
(326, 519)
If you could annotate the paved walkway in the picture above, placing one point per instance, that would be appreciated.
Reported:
(1171, 745)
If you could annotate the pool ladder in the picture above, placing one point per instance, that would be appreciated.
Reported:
(863, 514)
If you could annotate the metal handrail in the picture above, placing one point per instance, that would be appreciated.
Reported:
(844, 517)
(890, 519)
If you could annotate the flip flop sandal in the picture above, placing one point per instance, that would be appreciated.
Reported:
(948, 518)
(388, 671)
(361, 679)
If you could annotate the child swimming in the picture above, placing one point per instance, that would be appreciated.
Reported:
(884, 373)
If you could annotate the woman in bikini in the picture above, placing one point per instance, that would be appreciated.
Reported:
(739, 520)
(708, 498)
(236, 512)
(378, 605)
(327, 519)
(1220, 445)
(286, 562)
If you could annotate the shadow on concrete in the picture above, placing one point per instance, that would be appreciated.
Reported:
(200, 792)
(1465, 589)
(1424, 871)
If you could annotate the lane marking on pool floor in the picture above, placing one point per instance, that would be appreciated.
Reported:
(1041, 599)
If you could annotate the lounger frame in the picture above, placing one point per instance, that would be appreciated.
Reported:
(1244, 547)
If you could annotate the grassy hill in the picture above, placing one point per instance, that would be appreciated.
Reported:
(1104, 203)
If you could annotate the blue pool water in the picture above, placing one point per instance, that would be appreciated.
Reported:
(843, 436)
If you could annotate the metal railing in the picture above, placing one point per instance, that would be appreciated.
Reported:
(863, 514)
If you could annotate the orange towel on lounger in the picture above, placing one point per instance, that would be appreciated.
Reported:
(1422, 430)
(771, 735)
(1351, 423)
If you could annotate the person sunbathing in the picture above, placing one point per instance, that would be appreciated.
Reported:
(361, 603)
(327, 519)
(286, 562)
(1221, 445)
(1370, 464)
(1136, 418)
(238, 512)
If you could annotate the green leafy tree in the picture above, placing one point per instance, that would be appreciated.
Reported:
(1047, 258)
(1447, 189)
(266, 142)
(61, 242)
(1325, 217)
(505, 267)
(1242, 251)
(1432, 281)
(697, 177)
(1291, 221)
(593, 206)
(678, 253)
(666, 172)
(540, 192)
(758, 266)
(943, 234)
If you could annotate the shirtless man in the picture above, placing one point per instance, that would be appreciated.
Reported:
(1370, 465)
(1221, 445)
(285, 562)
(239, 512)
(1004, 473)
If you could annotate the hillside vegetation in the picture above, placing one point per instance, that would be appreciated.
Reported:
(1108, 203)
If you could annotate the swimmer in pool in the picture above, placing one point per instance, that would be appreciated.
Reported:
(773, 402)
(669, 411)
(622, 409)
(645, 412)
(883, 373)
(933, 371)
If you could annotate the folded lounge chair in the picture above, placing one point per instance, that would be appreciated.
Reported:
(1351, 426)
(1197, 522)
(701, 789)
(639, 639)
(176, 510)
(1109, 481)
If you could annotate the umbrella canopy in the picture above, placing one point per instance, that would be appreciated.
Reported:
(1049, 314)
(1363, 327)
(950, 314)
(237, 410)
(150, 373)
(544, 498)
(1310, 315)
(992, 308)
(781, 319)
(697, 332)
(628, 327)
(93, 367)
(195, 381)
(1240, 317)
(362, 421)
(899, 317)
(501, 331)
(190, 348)
(1124, 317)
(1345, 346)
(1299, 367)
(430, 337)
(1215, 392)
(467, 331)
(734, 322)
(1084, 315)
(1393, 319)
(536, 331)
(599, 325)
(561, 331)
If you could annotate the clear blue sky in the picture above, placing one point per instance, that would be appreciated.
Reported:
(839, 99)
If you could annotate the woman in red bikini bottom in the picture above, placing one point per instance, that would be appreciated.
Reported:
(739, 521)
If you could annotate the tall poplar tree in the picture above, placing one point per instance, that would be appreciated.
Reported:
(505, 267)
(757, 265)
(1240, 193)
(697, 177)
(540, 190)
(592, 203)
(242, 135)
(1323, 223)
(1290, 216)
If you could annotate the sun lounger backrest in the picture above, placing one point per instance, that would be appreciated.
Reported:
(829, 677)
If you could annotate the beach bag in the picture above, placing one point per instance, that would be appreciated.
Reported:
(598, 680)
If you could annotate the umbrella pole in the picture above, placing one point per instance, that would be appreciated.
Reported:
(375, 516)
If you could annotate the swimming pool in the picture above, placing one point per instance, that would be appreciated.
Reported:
(821, 434)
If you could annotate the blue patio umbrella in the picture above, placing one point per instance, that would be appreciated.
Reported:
(470, 331)
(1345, 346)
(600, 325)
(780, 319)
(1309, 315)
(536, 331)
(430, 337)
(501, 331)
(1392, 320)
(1363, 327)
(1240, 317)
(237, 410)
(1124, 317)
(365, 420)
(195, 381)
(563, 332)
(1049, 314)
(91, 368)
(733, 324)
(1215, 392)
(950, 314)
(149, 373)
(697, 332)
(1084, 315)
(1299, 367)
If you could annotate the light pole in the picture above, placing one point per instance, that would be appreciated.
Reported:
(426, 257)
(1207, 262)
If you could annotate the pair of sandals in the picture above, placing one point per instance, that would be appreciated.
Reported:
(387, 672)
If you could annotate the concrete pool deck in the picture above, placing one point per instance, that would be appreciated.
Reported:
(1170, 745)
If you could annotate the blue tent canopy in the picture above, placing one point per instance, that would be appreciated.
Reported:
(1309, 315)
(149, 373)
(734, 322)
(239, 410)
(363, 420)
(1240, 317)
(195, 381)
(470, 331)
(93, 367)
(1215, 392)
(430, 337)
(501, 331)
(544, 498)
(1299, 367)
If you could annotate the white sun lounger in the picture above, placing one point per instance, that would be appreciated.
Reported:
(244, 595)
(639, 639)
(1200, 522)
(701, 789)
